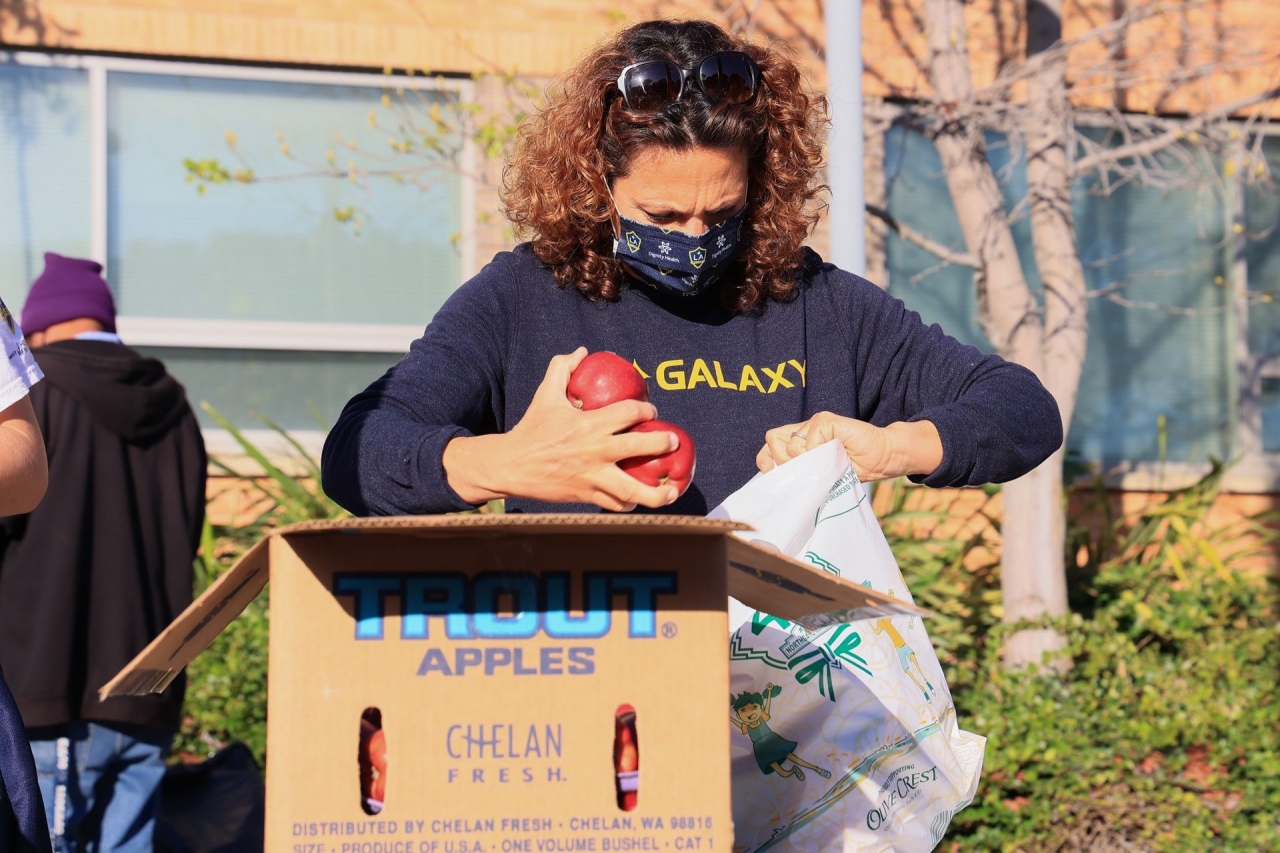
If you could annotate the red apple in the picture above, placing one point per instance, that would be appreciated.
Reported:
(378, 751)
(626, 758)
(603, 378)
(675, 466)
(373, 762)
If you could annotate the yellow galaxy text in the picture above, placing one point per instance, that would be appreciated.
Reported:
(678, 374)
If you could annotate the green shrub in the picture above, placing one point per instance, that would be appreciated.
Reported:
(227, 685)
(1165, 735)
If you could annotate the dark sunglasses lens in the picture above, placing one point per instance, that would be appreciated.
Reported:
(652, 85)
(728, 77)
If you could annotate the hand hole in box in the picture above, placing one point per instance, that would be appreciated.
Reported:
(626, 757)
(372, 759)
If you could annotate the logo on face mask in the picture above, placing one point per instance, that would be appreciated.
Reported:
(680, 262)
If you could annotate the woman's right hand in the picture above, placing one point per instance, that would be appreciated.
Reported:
(560, 454)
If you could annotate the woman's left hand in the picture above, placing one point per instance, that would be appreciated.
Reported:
(877, 453)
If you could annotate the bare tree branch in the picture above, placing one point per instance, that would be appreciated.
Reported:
(18, 16)
(916, 238)
(1019, 72)
(1148, 147)
(886, 12)
(1162, 308)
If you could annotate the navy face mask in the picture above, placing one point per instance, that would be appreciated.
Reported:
(673, 260)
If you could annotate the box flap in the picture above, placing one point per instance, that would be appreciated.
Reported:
(757, 576)
(485, 524)
(191, 633)
(781, 586)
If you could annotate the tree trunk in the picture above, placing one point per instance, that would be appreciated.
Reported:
(1035, 513)
(1008, 310)
(1045, 126)
(1033, 579)
(875, 125)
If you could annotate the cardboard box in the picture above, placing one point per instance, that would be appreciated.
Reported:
(497, 684)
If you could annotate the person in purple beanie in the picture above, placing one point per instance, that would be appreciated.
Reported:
(90, 576)
(24, 477)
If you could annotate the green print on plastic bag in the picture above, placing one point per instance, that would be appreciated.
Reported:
(839, 488)
(808, 658)
(825, 565)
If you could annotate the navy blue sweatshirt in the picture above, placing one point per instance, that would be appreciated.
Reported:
(841, 345)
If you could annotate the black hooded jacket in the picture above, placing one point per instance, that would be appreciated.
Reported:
(105, 562)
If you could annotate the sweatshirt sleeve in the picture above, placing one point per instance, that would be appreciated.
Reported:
(995, 418)
(384, 455)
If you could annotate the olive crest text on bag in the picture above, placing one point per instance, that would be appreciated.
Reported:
(844, 738)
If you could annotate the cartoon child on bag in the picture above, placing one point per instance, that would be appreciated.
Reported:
(906, 654)
(751, 716)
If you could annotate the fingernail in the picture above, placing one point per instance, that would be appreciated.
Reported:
(672, 494)
(672, 441)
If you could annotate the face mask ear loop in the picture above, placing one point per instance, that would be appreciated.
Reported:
(616, 218)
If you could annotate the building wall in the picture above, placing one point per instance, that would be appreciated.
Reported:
(539, 38)
(534, 37)
(1234, 33)
(968, 514)
(946, 514)
(542, 37)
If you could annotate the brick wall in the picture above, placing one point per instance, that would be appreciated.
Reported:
(542, 37)
(533, 36)
(968, 513)
(539, 38)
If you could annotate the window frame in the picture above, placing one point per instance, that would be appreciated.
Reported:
(148, 331)
(1255, 470)
(315, 337)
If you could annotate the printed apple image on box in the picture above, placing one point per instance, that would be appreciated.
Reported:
(513, 670)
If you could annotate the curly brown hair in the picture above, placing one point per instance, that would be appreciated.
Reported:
(556, 187)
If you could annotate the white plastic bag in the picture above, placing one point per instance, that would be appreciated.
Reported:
(844, 739)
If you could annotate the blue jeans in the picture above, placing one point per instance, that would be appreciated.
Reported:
(113, 785)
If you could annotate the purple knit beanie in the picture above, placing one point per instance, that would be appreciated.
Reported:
(68, 289)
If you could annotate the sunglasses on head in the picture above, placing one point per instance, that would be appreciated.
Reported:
(728, 77)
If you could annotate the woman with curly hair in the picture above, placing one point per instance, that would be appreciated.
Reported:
(667, 189)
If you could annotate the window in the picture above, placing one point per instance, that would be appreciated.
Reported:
(1261, 372)
(1159, 372)
(257, 298)
(44, 157)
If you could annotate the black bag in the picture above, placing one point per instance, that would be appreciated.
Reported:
(216, 806)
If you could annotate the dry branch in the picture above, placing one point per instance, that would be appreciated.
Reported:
(1019, 72)
(916, 238)
(1148, 147)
